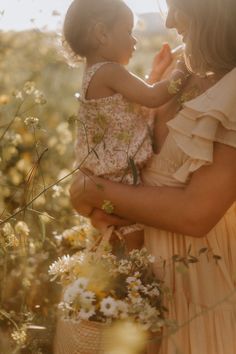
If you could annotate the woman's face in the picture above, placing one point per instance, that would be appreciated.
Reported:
(177, 19)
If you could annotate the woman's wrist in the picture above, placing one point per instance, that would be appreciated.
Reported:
(94, 192)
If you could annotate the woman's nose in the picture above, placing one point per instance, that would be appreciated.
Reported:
(170, 20)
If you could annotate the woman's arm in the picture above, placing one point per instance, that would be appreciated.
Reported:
(193, 210)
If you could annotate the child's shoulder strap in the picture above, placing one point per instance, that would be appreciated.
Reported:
(88, 75)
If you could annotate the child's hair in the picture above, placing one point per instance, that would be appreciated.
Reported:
(211, 44)
(80, 19)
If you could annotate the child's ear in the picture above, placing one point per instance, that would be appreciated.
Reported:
(100, 33)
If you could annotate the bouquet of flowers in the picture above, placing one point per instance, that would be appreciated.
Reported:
(100, 290)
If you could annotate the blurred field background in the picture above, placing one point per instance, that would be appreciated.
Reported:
(37, 131)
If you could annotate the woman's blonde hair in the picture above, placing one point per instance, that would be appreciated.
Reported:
(211, 42)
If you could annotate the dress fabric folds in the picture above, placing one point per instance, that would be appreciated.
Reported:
(203, 300)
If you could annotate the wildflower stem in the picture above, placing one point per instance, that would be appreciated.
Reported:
(5, 314)
(11, 122)
(44, 191)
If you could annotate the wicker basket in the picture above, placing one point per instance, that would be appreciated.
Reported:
(80, 337)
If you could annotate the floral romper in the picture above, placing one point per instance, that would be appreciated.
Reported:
(114, 139)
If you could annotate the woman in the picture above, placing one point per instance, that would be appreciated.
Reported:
(189, 202)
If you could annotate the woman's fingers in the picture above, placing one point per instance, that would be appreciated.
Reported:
(100, 219)
(78, 194)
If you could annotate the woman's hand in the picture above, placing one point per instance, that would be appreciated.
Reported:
(79, 191)
(82, 191)
(99, 219)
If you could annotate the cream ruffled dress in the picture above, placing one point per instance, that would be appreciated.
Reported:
(204, 296)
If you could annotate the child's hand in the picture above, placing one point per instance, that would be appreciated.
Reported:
(161, 62)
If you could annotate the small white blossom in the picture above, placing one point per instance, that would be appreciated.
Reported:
(87, 297)
(123, 309)
(12, 241)
(74, 289)
(22, 228)
(134, 283)
(39, 97)
(16, 139)
(19, 336)
(135, 297)
(32, 122)
(86, 313)
(70, 294)
(62, 265)
(57, 191)
(8, 229)
(29, 87)
(81, 284)
(108, 307)
(124, 266)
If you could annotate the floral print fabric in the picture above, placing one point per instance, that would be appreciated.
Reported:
(114, 137)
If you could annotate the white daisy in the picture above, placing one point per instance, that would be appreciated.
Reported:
(108, 307)
(87, 297)
(81, 284)
(124, 266)
(135, 297)
(123, 309)
(62, 265)
(134, 283)
(74, 289)
(86, 313)
(70, 294)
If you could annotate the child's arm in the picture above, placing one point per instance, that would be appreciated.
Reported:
(118, 79)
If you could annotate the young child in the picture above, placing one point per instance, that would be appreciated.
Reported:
(114, 138)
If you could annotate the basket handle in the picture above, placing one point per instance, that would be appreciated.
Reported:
(105, 238)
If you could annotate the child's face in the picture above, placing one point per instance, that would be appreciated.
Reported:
(121, 41)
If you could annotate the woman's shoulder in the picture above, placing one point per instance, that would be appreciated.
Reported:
(220, 97)
(210, 118)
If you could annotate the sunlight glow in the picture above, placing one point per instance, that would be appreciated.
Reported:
(48, 14)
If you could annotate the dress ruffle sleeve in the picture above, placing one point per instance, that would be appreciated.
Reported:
(209, 118)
